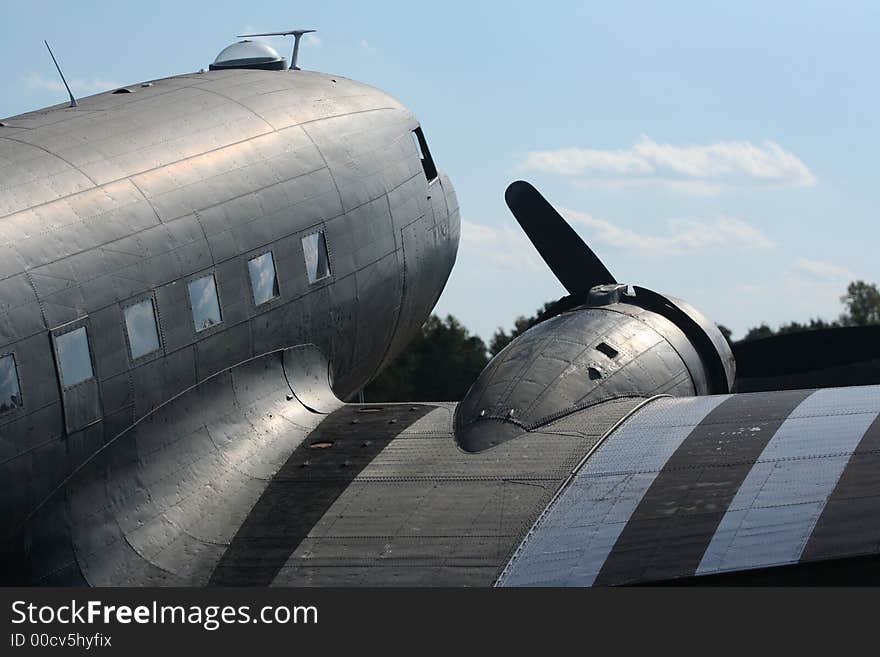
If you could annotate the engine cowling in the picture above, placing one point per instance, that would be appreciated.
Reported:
(624, 342)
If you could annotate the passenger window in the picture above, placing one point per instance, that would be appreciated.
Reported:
(204, 302)
(10, 392)
(315, 252)
(425, 154)
(74, 357)
(264, 283)
(143, 331)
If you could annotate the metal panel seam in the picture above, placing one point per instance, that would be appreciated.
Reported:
(137, 422)
(55, 155)
(565, 484)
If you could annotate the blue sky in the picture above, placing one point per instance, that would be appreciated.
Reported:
(722, 154)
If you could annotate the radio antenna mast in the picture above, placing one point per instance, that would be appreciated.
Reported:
(69, 92)
(297, 35)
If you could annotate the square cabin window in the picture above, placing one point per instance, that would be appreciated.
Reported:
(204, 302)
(315, 252)
(143, 332)
(10, 392)
(74, 358)
(264, 282)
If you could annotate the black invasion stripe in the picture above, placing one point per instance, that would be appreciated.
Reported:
(305, 487)
(850, 522)
(674, 522)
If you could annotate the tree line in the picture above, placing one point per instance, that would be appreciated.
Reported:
(444, 358)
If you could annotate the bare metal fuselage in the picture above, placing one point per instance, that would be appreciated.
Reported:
(131, 196)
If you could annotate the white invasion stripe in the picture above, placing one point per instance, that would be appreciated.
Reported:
(776, 508)
(570, 543)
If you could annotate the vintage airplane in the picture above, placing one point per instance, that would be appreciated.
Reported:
(195, 272)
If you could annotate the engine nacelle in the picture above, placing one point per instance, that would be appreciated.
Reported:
(624, 342)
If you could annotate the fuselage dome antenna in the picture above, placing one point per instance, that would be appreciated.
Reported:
(297, 35)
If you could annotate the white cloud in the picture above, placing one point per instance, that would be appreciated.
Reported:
(508, 248)
(312, 40)
(692, 169)
(684, 235)
(365, 44)
(502, 248)
(673, 186)
(819, 271)
(79, 87)
(574, 161)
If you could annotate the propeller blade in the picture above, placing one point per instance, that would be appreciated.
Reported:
(569, 258)
(839, 356)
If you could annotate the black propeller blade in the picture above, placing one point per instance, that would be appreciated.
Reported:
(569, 258)
(840, 356)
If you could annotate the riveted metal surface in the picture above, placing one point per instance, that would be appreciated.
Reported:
(776, 508)
(669, 530)
(310, 481)
(308, 374)
(559, 366)
(158, 504)
(425, 513)
(849, 524)
(740, 483)
(131, 196)
(572, 540)
(201, 490)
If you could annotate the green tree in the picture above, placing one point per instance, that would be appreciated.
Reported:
(440, 364)
(758, 332)
(813, 325)
(862, 307)
(862, 301)
(764, 331)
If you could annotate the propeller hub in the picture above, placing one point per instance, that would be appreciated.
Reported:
(605, 295)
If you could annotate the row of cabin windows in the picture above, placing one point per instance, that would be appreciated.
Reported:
(72, 350)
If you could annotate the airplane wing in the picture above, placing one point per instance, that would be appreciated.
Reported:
(272, 481)
(698, 487)
(261, 476)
